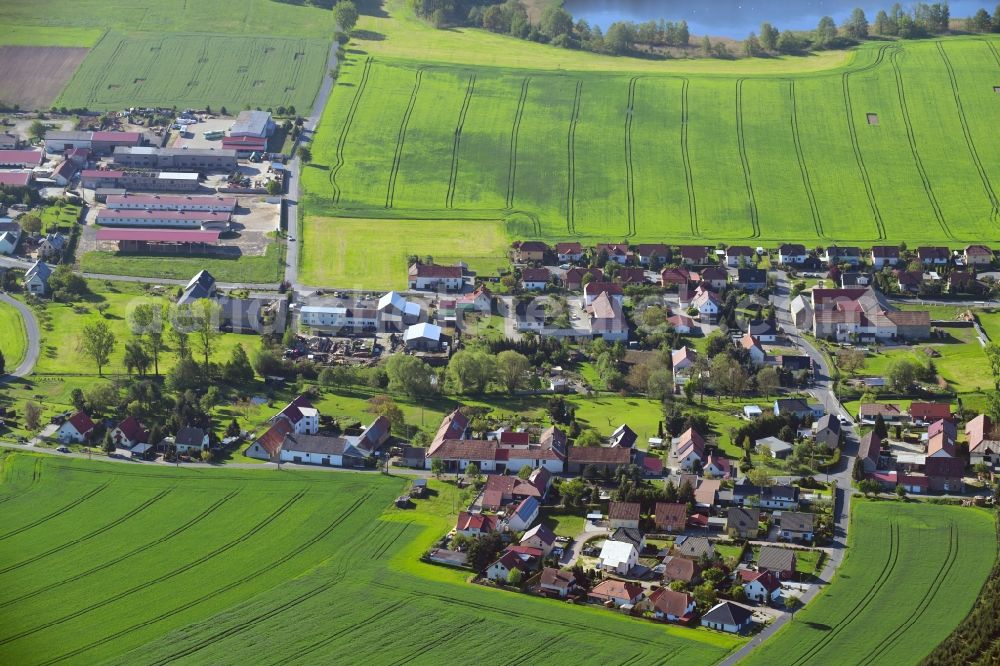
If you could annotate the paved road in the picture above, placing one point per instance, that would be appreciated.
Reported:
(34, 340)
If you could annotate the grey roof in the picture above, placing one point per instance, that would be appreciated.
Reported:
(322, 445)
(773, 558)
(795, 521)
(202, 277)
(751, 276)
(623, 436)
(762, 327)
(39, 268)
(728, 613)
(775, 492)
(793, 405)
(696, 547)
(251, 122)
(189, 436)
(628, 535)
(740, 518)
(828, 422)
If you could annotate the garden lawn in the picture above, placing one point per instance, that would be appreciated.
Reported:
(911, 573)
(962, 362)
(563, 524)
(197, 574)
(13, 338)
(372, 254)
(265, 269)
(62, 217)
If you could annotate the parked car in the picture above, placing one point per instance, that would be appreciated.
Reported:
(63, 449)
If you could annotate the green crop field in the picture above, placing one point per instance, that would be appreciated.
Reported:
(13, 339)
(129, 69)
(144, 564)
(911, 574)
(672, 156)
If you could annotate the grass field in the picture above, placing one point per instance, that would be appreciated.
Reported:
(911, 574)
(372, 253)
(13, 339)
(141, 564)
(263, 269)
(605, 155)
(147, 69)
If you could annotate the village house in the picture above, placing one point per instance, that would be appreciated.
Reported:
(751, 279)
(778, 496)
(652, 253)
(592, 290)
(540, 537)
(689, 449)
(674, 277)
(607, 460)
(743, 522)
(475, 524)
(523, 516)
(36, 279)
(909, 282)
(842, 255)
(623, 436)
(840, 314)
(451, 445)
(679, 568)
(977, 255)
(869, 412)
(708, 305)
(129, 433)
(718, 466)
(617, 593)
(729, 617)
(10, 235)
(924, 413)
(826, 431)
(190, 439)
(630, 535)
(630, 275)
(500, 570)
(424, 337)
(795, 526)
(693, 254)
(623, 514)
(735, 253)
(607, 320)
(534, 279)
(618, 557)
(670, 605)
(792, 254)
(794, 407)
(715, 278)
(754, 351)
(776, 448)
(694, 548)
(884, 255)
(870, 450)
(984, 442)
(528, 251)
(557, 582)
(301, 415)
(569, 252)
(431, 277)
(77, 428)
(760, 586)
(681, 323)
(670, 517)
(573, 278)
(683, 363)
(616, 252)
(778, 561)
(933, 255)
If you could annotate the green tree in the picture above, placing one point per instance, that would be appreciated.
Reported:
(901, 374)
(869, 487)
(751, 46)
(3, 363)
(589, 437)
(204, 316)
(383, 405)
(514, 577)
(472, 471)
(789, 42)
(37, 129)
(437, 467)
(410, 375)
(238, 370)
(97, 342)
(996, 18)
(826, 32)
(472, 369)
(556, 21)
(768, 36)
(136, 357)
(768, 381)
(524, 473)
(305, 154)
(32, 416)
(706, 46)
(346, 15)
(981, 22)
(856, 25)
(31, 224)
(512, 369)
(760, 477)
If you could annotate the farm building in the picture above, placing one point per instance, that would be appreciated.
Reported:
(187, 219)
(149, 157)
(8, 141)
(431, 276)
(99, 143)
(26, 159)
(171, 202)
(257, 124)
(160, 241)
(244, 145)
(134, 179)
(15, 178)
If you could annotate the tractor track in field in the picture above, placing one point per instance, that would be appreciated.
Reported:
(869, 596)
(633, 659)
(571, 161)
(996, 54)
(390, 542)
(247, 624)
(520, 615)
(229, 545)
(433, 644)
(531, 653)
(36, 475)
(515, 131)
(401, 139)
(132, 513)
(326, 640)
(741, 140)
(100, 567)
(803, 168)
(449, 200)
(688, 177)
(925, 601)
(58, 512)
(629, 176)
(143, 475)
(345, 130)
(967, 132)
(853, 131)
(912, 140)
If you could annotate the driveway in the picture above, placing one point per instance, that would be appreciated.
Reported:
(34, 339)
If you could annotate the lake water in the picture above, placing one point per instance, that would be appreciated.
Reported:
(736, 18)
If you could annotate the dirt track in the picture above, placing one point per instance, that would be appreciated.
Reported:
(33, 76)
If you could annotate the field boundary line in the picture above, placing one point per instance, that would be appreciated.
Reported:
(90, 535)
(688, 176)
(859, 158)
(166, 537)
(629, 176)
(159, 579)
(803, 168)
(925, 601)
(433, 644)
(571, 161)
(912, 140)
(244, 625)
(348, 122)
(401, 138)
(869, 596)
(967, 132)
(449, 198)
(741, 140)
(515, 132)
(58, 512)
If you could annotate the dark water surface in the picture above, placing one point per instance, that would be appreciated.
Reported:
(736, 18)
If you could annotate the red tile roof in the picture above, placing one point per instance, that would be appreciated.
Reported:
(480, 522)
(272, 440)
(670, 515)
(81, 421)
(15, 178)
(669, 602)
(133, 430)
(623, 511)
(21, 157)
(930, 411)
(617, 589)
(117, 137)
(435, 271)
